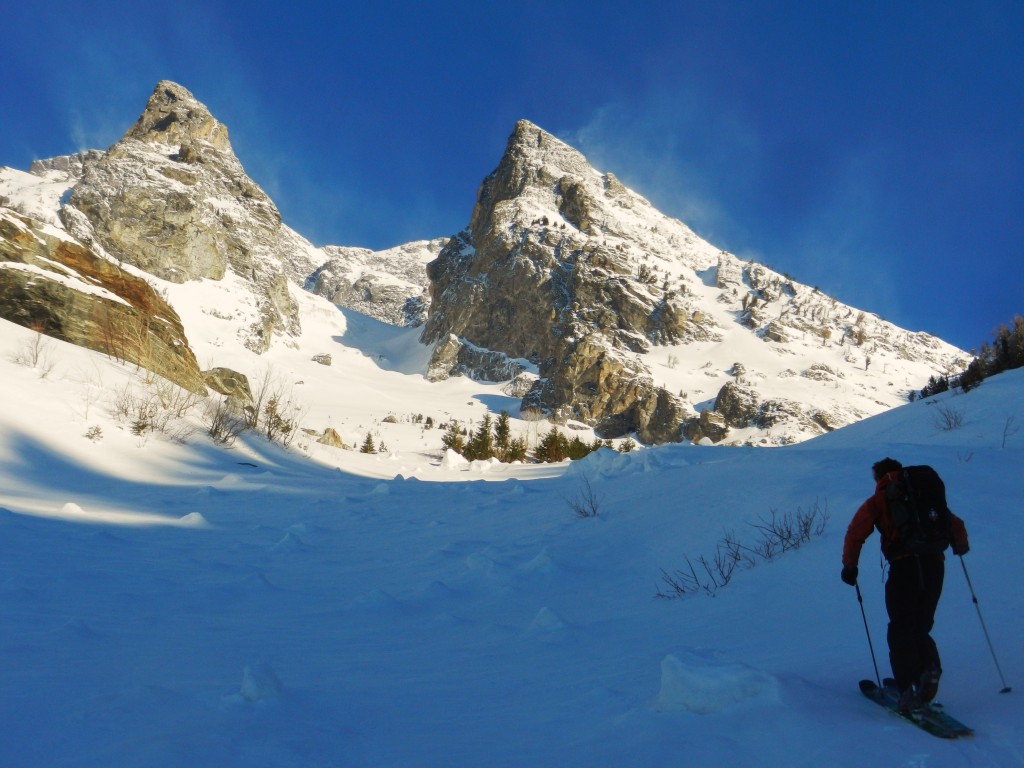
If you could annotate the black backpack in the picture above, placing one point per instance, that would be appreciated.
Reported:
(917, 505)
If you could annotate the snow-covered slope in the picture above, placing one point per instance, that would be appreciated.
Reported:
(179, 604)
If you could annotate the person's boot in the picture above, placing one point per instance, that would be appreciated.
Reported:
(909, 701)
(930, 684)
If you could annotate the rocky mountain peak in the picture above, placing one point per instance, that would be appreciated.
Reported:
(563, 266)
(175, 117)
(534, 161)
(171, 198)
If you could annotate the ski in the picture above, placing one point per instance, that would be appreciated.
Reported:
(931, 717)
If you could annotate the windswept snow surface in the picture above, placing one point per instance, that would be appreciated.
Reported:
(180, 604)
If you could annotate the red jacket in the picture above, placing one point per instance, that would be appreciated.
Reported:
(874, 513)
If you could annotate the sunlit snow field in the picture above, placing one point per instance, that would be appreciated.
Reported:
(182, 604)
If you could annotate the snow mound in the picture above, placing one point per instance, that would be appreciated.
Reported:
(193, 520)
(260, 683)
(547, 624)
(453, 460)
(706, 686)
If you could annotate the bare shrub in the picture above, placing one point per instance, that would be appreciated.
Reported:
(174, 400)
(36, 352)
(274, 410)
(775, 535)
(948, 418)
(222, 424)
(1009, 429)
(155, 409)
(142, 417)
(586, 503)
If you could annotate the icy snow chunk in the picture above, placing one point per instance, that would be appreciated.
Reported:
(259, 683)
(453, 460)
(483, 466)
(542, 563)
(705, 685)
(547, 623)
(193, 520)
(290, 543)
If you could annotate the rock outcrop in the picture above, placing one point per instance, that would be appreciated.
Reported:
(456, 357)
(232, 384)
(64, 290)
(596, 384)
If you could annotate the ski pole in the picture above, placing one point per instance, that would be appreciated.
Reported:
(871, 645)
(974, 597)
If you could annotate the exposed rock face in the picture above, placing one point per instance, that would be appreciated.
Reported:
(332, 438)
(71, 166)
(536, 276)
(520, 385)
(172, 199)
(64, 290)
(391, 285)
(738, 405)
(597, 385)
(454, 357)
(710, 425)
(232, 384)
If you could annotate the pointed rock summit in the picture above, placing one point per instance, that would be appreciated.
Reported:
(549, 271)
(172, 199)
(173, 116)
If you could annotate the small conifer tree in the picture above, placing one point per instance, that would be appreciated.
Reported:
(452, 438)
(516, 450)
(577, 449)
(552, 447)
(502, 436)
(368, 445)
(481, 444)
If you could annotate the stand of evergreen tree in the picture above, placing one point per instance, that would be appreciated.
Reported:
(555, 446)
(1005, 353)
(492, 439)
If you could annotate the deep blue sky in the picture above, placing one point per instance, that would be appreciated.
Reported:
(871, 149)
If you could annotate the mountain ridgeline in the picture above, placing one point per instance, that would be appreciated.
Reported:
(595, 308)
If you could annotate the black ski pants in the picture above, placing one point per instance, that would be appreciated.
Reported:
(911, 597)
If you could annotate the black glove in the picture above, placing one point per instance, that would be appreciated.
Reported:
(961, 551)
(849, 574)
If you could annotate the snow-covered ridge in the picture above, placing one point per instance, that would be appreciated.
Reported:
(682, 318)
(389, 285)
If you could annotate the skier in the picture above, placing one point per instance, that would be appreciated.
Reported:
(911, 592)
